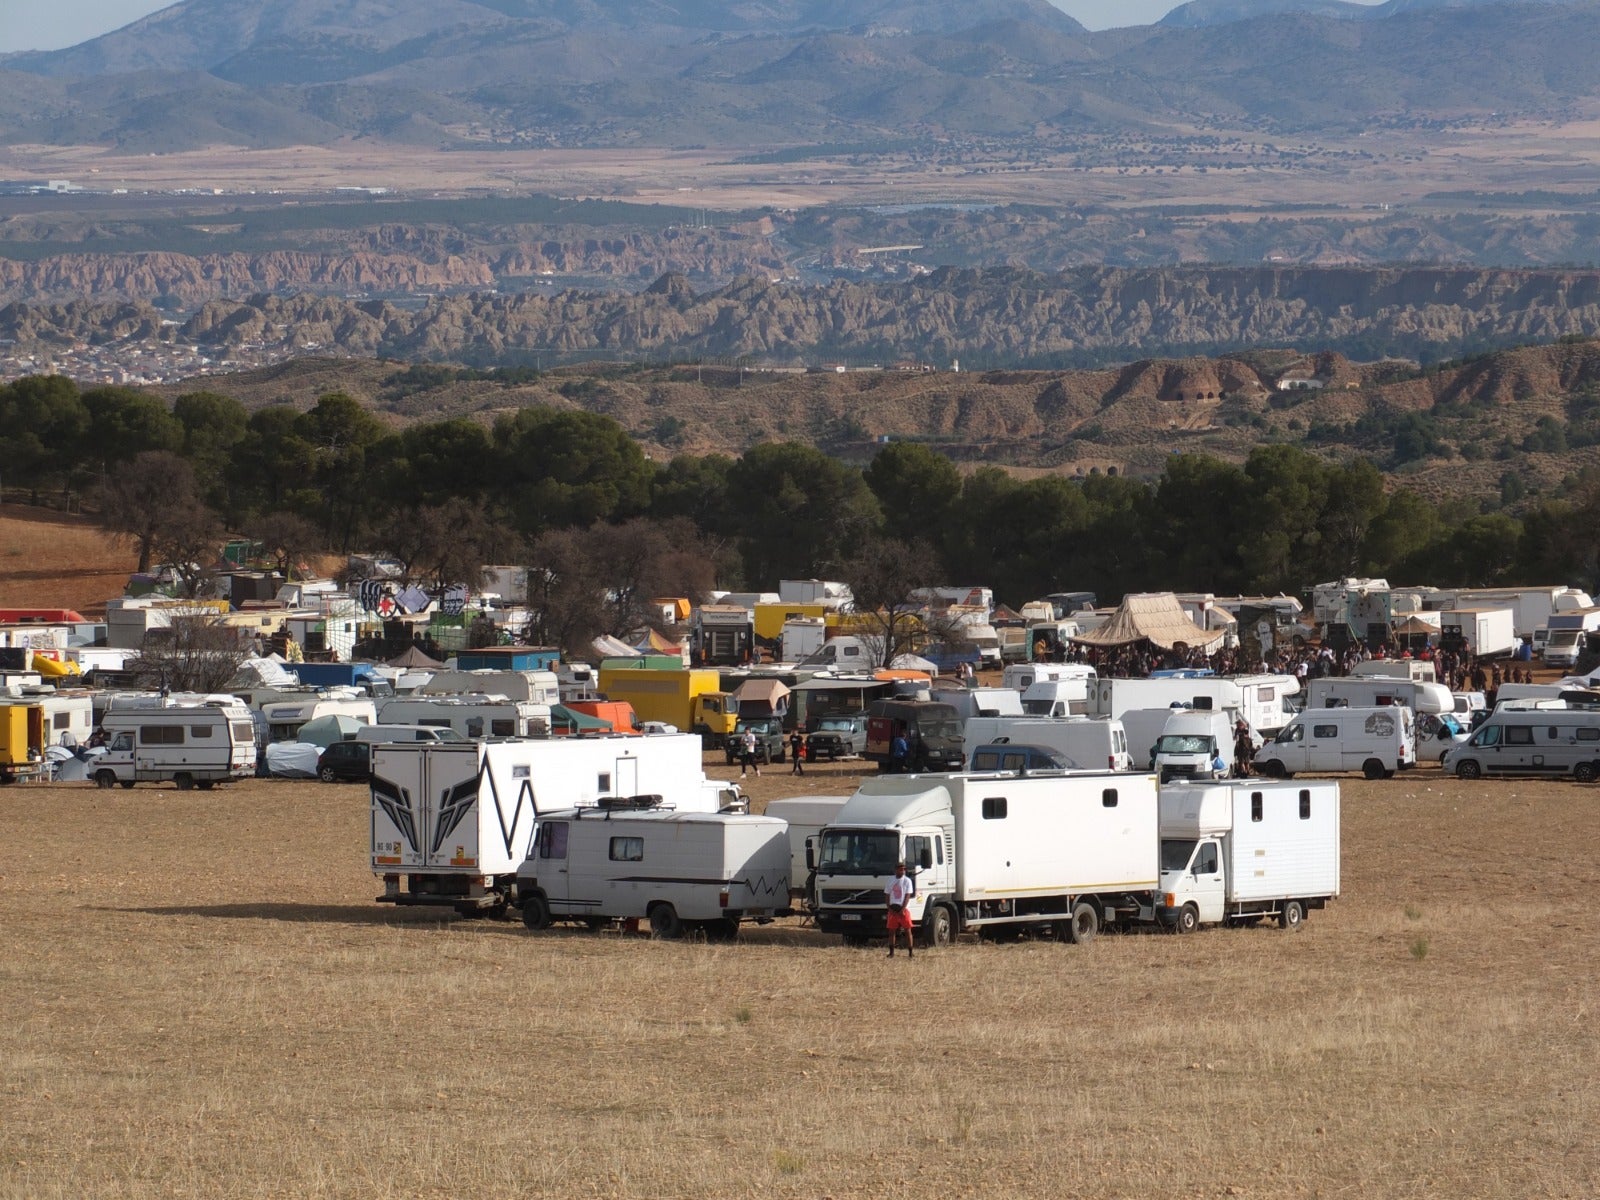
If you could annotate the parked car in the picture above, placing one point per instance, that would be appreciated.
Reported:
(769, 739)
(1013, 756)
(345, 762)
(837, 737)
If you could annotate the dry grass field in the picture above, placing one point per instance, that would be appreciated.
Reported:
(49, 559)
(202, 999)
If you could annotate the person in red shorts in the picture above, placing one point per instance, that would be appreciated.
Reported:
(898, 893)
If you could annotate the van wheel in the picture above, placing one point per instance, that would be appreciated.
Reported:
(1292, 915)
(204, 785)
(1372, 769)
(1085, 923)
(1275, 769)
(105, 780)
(1586, 772)
(665, 922)
(1468, 768)
(536, 912)
(1188, 919)
(326, 774)
(184, 781)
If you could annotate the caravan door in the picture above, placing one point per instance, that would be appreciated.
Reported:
(552, 864)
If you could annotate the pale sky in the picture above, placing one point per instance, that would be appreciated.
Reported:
(52, 24)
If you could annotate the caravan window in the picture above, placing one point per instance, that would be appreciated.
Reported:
(1305, 805)
(627, 849)
(1588, 733)
(1324, 731)
(553, 840)
(1519, 735)
(474, 727)
(62, 721)
(994, 808)
(503, 728)
(199, 731)
(161, 735)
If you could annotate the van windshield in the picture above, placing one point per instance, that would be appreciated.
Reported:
(855, 852)
(932, 728)
(1176, 853)
(1183, 743)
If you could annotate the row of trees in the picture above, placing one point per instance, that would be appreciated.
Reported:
(571, 494)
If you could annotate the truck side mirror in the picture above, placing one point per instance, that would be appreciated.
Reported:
(811, 854)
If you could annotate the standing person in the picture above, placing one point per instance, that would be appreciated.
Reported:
(899, 751)
(797, 750)
(897, 894)
(747, 753)
(1244, 749)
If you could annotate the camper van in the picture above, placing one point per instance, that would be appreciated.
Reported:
(1375, 741)
(472, 716)
(192, 741)
(1022, 676)
(679, 870)
(284, 718)
(1531, 741)
(1367, 692)
(1195, 744)
(1259, 699)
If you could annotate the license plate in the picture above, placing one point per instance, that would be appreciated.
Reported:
(850, 917)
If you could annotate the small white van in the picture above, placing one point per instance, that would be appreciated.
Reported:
(1531, 741)
(1192, 744)
(193, 744)
(1375, 741)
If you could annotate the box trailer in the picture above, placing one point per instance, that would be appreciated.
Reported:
(192, 742)
(451, 822)
(680, 871)
(1236, 853)
(1485, 632)
(1063, 854)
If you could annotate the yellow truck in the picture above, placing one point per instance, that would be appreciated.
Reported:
(692, 700)
(23, 737)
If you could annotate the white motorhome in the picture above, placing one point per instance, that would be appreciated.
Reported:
(1092, 743)
(452, 821)
(678, 870)
(1063, 854)
(1238, 852)
(1568, 636)
(1260, 699)
(1195, 744)
(284, 718)
(1355, 691)
(194, 741)
(1546, 741)
(1417, 670)
(472, 716)
(1056, 698)
(535, 687)
(806, 816)
(1375, 741)
(1021, 676)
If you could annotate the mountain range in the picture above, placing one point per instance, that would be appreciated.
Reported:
(783, 72)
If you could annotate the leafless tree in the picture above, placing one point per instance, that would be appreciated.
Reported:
(197, 654)
(882, 577)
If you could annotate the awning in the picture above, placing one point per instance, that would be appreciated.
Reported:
(562, 717)
(1155, 617)
(770, 693)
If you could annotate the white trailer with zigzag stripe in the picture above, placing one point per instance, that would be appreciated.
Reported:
(678, 870)
(452, 821)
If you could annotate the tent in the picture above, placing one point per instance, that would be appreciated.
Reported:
(324, 731)
(762, 698)
(607, 646)
(1154, 617)
(567, 720)
(415, 659)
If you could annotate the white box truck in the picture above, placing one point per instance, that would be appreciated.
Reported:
(1091, 743)
(1568, 636)
(1375, 741)
(679, 870)
(1236, 853)
(452, 821)
(1060, 854)
(197, 741)
(1486, 632)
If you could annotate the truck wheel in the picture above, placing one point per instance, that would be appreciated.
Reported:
(1585, 772)
(204, 785)
(105, 780)
(1372, 769)
(1188, 919)
(1468, 768)
(326, 774)
(940, 929)
(126, 784)
(536, 911)
(665, 922)
(1084, 924)
(1292, 915)
(184, 781)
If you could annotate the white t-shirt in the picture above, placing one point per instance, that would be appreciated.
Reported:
(900, 890)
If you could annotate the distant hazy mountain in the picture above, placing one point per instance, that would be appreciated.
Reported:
(775, 72)
(1199, 14)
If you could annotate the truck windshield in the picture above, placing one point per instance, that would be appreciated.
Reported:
(939, 729)
(1176, 853)
(853, 852)
(1183, 743)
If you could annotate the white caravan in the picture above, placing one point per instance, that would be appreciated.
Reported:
(194, 741)
(1531, 741)
(1239, 852)
(536, 687)
(1418, 670)
(1260, 699)
(1019, 677)
(452, 821)
(678, 870)
(1062, 854)
(1365, 692)
(1375, 741)
(806, 816)
(284, 718)
(1091, 743)
(472, 716)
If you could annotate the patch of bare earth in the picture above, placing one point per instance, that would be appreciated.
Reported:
(49, 559)
(202, 998)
